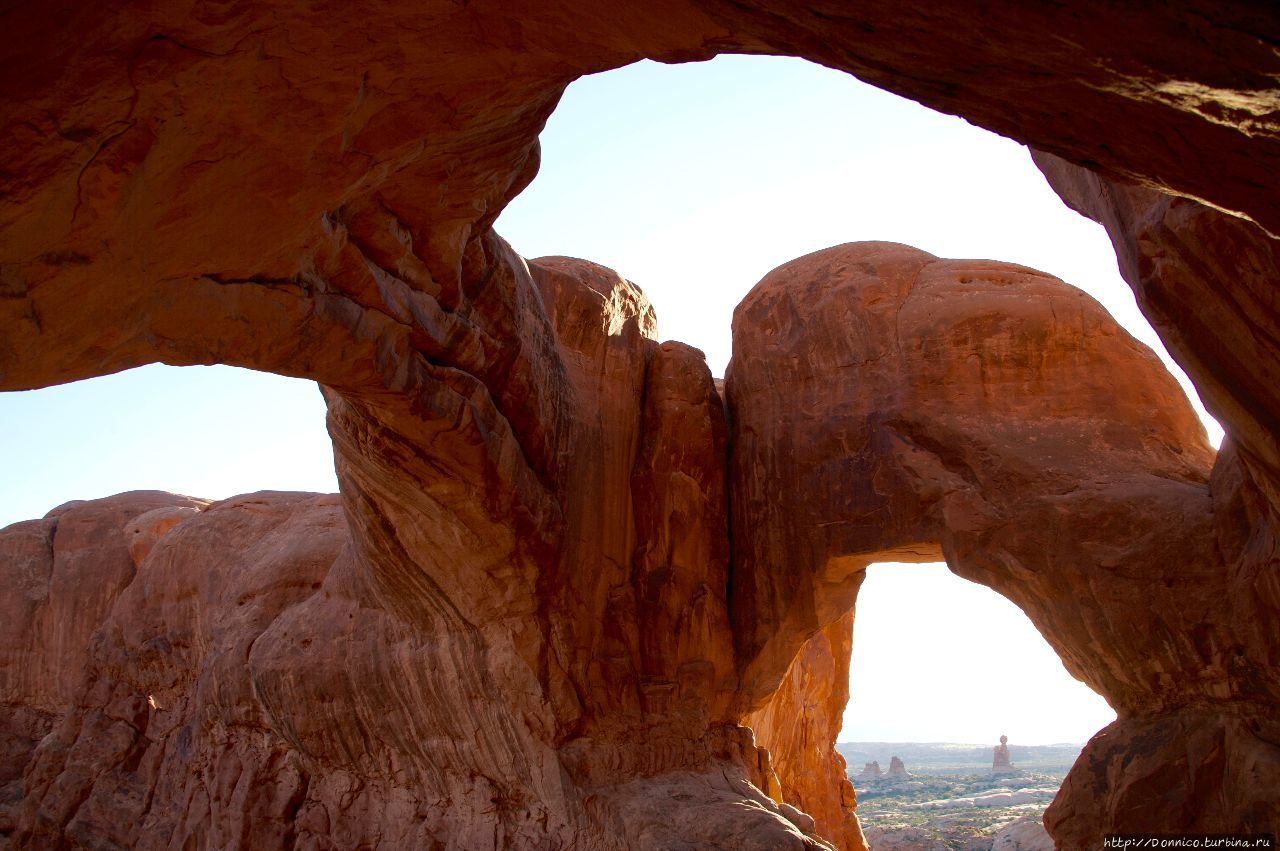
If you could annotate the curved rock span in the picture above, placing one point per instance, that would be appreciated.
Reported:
(887, 405)
(564, 568)
(484, 657)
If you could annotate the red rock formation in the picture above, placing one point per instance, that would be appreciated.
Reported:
(61, 576)
(959, 434)
(1178, 257)
(799, 725)
(1000, 763)
(1206, 281)
(959, 422)
(421, 670)
(1003, 418)
(529, 621)
(167, 737)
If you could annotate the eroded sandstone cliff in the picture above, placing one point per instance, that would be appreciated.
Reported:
(799, 726)
(1219, 743)
(432, 665)
(888, 405)
(525, 623)
(469, 656)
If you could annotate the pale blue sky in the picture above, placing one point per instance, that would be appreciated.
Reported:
(693, 181)
(204, 431)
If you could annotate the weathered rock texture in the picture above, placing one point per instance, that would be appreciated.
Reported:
(1177, 255)
(469, 656)
(527, 629)
(1208, 283)
(799, 725)
(1091, 508)
(61, 576)
(999, 417)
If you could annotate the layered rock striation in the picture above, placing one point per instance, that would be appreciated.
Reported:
(462, 652)
(619, 669)
(530, 620)
(888, 405)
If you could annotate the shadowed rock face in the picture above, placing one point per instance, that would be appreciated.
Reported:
(523, 627)
(1173, 251)
(888, 405)
(412, 671)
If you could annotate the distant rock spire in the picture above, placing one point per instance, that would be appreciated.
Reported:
(1000, 763)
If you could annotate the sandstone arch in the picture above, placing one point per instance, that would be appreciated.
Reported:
(310, 193)
(924, 410)
(915, 387)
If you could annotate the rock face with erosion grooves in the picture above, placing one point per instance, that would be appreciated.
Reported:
(1207, 281)
(569, 643)
(1001, 419)
(472, 653)
(522, 627)
(799, 725)
(61, 576)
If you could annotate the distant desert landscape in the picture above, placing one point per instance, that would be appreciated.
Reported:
(950, 800)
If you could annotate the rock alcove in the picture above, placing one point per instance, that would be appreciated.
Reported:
(495, 639)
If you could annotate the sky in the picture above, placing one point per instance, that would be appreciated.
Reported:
(966, 665)
(693, 181)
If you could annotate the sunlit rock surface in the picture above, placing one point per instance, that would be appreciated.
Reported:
(799, 725)
(524, 623)
(1003, 420)
(1022, 836)
(470, 654)
(459, 630)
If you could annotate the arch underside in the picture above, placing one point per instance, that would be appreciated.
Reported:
(528, 623)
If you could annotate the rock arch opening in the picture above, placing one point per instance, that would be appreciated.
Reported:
(834, 204)
(210, 432)
(695, 180)
(461, 657)
(966, 666)
(1062, 507)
